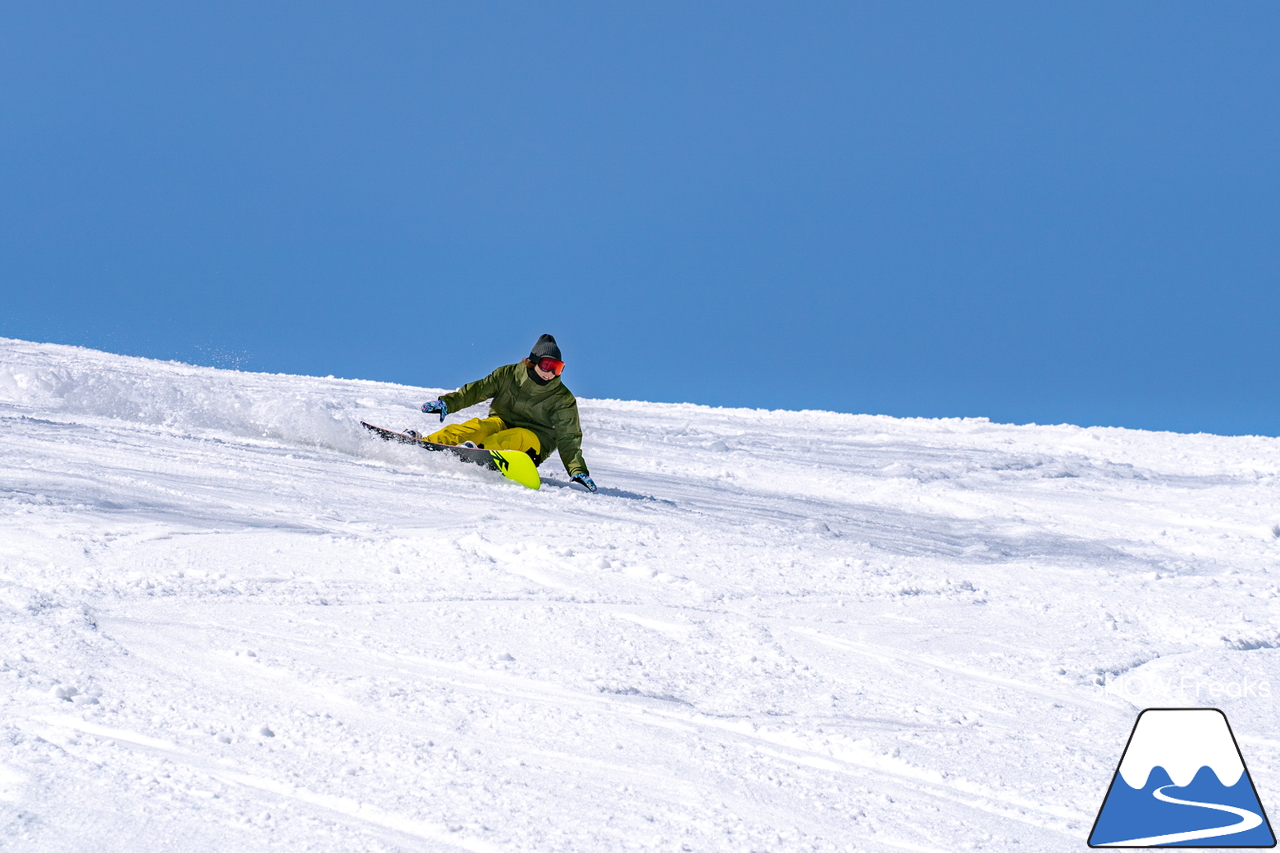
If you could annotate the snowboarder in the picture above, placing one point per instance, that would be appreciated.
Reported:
(531, 411)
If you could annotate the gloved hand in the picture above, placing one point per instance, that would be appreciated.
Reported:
(436, 406)
(585, 481)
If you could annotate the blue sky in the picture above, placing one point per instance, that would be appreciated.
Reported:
(1029, 212)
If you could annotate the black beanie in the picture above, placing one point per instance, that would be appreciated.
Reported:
(545, 348)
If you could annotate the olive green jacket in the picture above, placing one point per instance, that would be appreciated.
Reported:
(550, 411)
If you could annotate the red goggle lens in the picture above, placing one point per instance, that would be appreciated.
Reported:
(550, 365)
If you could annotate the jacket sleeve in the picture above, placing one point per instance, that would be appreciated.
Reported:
(569, 439)
(473, 392)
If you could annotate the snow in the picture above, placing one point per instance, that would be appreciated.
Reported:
(230, 619)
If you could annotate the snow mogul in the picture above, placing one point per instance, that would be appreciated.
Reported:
(532, 411)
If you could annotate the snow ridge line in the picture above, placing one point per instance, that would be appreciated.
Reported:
(886, 654)
(339, 805)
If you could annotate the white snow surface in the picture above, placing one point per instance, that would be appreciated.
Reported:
(230, 619)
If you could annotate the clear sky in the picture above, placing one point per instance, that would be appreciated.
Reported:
(1032, 212)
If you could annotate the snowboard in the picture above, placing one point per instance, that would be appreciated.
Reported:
(512, 464)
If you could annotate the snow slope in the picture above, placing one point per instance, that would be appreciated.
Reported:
(231, 620)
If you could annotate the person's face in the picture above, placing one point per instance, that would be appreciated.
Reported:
(545, 375)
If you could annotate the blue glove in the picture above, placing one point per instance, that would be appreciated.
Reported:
(585, 481)
(436, 406)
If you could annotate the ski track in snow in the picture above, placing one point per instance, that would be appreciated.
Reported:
(230, 619)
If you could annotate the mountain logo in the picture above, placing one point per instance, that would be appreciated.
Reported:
(1181, 783)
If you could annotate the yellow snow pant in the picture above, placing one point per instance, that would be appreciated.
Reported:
(490, 433)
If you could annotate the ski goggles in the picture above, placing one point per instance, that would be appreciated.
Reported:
(549, 365)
